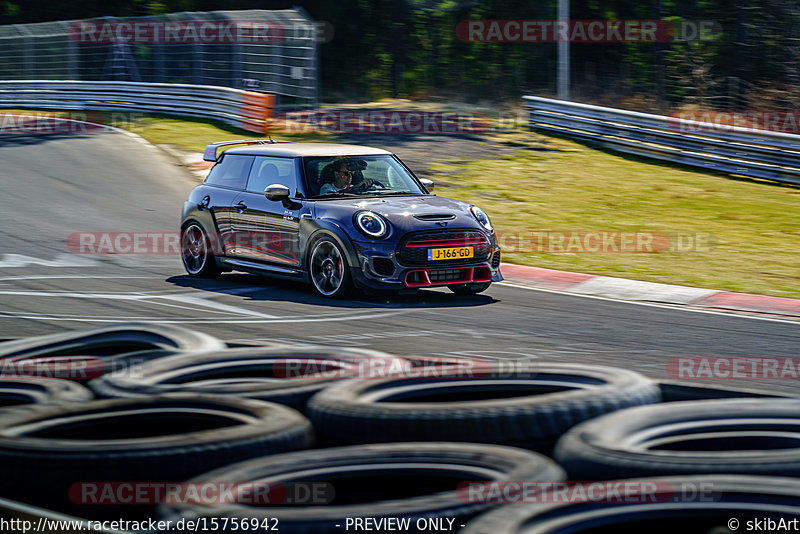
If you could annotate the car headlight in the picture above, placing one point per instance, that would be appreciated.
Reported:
(371, 224)
(482, 218)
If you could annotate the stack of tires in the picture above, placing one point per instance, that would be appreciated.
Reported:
(159, 405)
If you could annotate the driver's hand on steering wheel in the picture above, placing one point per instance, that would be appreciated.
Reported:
(366, 184)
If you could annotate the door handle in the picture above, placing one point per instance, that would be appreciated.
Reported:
(241, 206)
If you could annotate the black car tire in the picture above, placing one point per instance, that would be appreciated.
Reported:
(20, 391)
(742, 436)
(168, 438)
(92, 352)
(411, 480)
(531, 409)
(265, 373)
(469, 289)
(327, 263)
(113, 339)
(709, 504)
(197, 252)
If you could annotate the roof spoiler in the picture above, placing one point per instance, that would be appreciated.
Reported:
(210, 153)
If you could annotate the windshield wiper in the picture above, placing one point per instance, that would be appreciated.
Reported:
(337, 194)
(379, 193)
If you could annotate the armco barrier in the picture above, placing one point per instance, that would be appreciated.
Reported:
(248, 110)
(734, 150)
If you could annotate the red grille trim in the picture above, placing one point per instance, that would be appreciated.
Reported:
(446, 243)
(471, 275)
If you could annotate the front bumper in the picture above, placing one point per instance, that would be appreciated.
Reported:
(379, 268)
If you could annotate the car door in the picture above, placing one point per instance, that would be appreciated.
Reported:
(266, 230)
(225, 181)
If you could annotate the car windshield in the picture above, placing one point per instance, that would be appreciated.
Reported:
(342, 176)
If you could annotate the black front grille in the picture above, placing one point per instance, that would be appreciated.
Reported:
(383, 266)
(447, 275)
(419, 255)
(496, 260)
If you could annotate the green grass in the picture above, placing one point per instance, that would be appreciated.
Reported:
(195, 136)
(560, 185)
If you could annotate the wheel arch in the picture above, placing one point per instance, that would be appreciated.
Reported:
(333, 230)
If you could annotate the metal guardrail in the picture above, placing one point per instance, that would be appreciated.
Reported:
(734, 150)
(248, 110)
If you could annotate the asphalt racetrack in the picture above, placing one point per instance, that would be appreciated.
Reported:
(52, 187)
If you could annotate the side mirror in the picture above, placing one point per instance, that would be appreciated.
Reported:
(277, 192)
(428, 184)
(281, 193)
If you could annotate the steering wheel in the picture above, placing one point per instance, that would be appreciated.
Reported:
(363, 186)
(379, 184)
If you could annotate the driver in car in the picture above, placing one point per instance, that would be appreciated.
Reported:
(337, 177)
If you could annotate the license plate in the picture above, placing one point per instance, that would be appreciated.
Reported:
(453, 253)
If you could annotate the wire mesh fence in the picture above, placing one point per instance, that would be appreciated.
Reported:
(258, 50)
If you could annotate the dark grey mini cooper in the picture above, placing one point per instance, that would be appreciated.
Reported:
(335, 216)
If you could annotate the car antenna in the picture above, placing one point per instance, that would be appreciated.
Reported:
(271, 141)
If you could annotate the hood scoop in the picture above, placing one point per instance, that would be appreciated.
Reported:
(435, 217)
